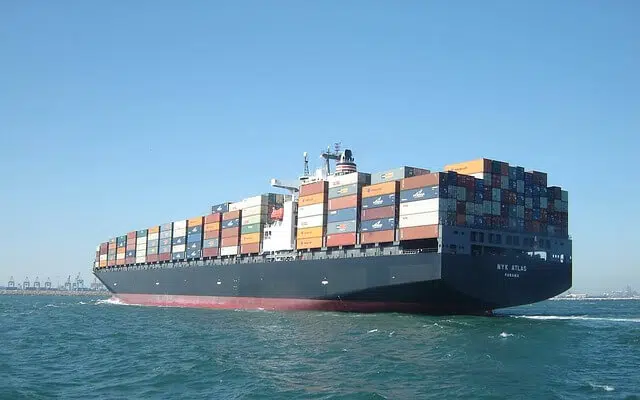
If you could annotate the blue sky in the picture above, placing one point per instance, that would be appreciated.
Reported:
(116, 116)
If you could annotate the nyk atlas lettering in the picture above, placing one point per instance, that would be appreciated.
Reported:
(513, 267)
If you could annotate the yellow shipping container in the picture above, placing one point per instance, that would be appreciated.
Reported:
(155, 229)
(249, 238)
(103, 264)
(194, 221)
(212, 226)
(312, 243)
(379, 189)
(311, 199)
(470, 167)
(308, 233)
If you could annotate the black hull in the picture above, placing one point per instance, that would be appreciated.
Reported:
(419, 283)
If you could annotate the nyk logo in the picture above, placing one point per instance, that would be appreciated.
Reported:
(377, 225)
(419, 194)
(378, 201)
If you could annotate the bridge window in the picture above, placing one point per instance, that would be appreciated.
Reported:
(481, 237)
(474, 237)
(498, 238)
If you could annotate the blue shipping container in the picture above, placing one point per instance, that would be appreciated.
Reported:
(194, 246)
(479, 184)
(452, 178)
(480, 222)
(342, 191)
(197, 237)
(194, 229)
(423, 193)
(179, 240)
(344, 214)
(513, 185)
(232, 223)
(131, 253)
(193, 254)
(165, 242)
(479, 197)
(513, 174)
(178, 256)
(520, 173)
(220, 208)
(378, 225)
(165, 249)
(141, 233)
(165, 235)
(210, 243)
(379, 201)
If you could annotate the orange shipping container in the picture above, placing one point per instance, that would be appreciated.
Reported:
(212, 226)
(197, 221)
(379, 189)
(313, 188)
(308, 233)
(231, 215)
(470, 167)
(378, 236)
(211, 218)
(230, 232)
(154, 229)
(312, 243)
(312, 199)
(419, 232)
(343, 202)
(230, 241)
(103, 264)
(121, 250)
(212, 234)
(420, 181)
(251, 248)
(341, 239)
(249, 238)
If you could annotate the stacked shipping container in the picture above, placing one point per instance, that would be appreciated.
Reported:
(179, 240)
(312, 215)
(230, 241)
(194, 237)
(141, 246)
(165, 242)
(420, 198)
(153, 243)
(211, 243)
(343, 208)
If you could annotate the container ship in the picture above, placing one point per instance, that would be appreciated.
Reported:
(471, 238)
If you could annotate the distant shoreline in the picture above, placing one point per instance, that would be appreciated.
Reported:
(21, 292)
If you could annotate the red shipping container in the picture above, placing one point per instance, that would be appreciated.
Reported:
(130, 260)
(419, 181)
(131, 247)
(210, 252)
(164, 257)
(152, 258)
(380, 212)
(461, 219)
(419, 232)
(111, 263)
(230, 232)
(313, 188)
(504, 169)
(461, 207)
(378, 236)
(131, 235)
(341, 239)
(212, 234)
(343, 202)
(230, 241)
(120, 261)
(216, 217)
(231, 215)
(251, 248)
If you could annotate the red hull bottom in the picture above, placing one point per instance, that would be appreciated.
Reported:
(255, 303)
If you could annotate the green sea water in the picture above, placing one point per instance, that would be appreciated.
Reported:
(83, 348)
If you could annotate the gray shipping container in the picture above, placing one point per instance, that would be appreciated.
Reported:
(152, 243)
(165, 234)
(166, 227)
(342, 227)
(210, 243)
(342, 191)
(396, 174)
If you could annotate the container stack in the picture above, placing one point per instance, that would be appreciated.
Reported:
(194, 237)
(379, 213)
(165, 242)
(130, 254)
(141, 246)
(211, 242)
(419, 215)
(312, 215)
(343, 208)
(153, 244)
(230, 241)
(256, 213)
(179, 240)
(121, 249)
(104, 249)
(111, 252)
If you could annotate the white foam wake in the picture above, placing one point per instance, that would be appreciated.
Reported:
(576, 317)
(115, 301)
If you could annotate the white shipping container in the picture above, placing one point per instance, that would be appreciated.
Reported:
(496, 194)
(420, 206)
(249, 202)
(256, 210)
(120, 256)
(520, 186)
(103, 257)
(141, 247)
(408, 221)
(520, 212)
(544, 202)
(348, 179)
(141, 240)
(153, 236)
(229, 250)
(140, 259)
(253, 219)
(310, 222)
(486, 207)
(180, 225)
(180, 232)
(308, 211)
(479, 210)
(178, 248)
